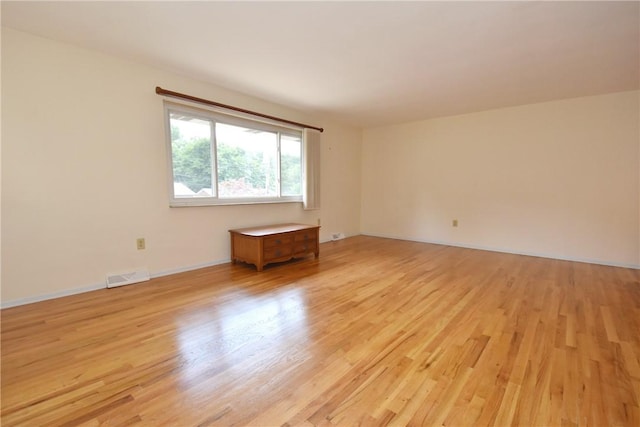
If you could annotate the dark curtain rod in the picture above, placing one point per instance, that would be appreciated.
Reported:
(173, 94)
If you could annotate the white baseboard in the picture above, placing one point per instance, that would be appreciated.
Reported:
(38, 298)
(89, 288)
(60, 294)
(507, 251)
(95, 287)
(190, 268)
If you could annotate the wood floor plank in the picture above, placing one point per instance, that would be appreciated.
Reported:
(374, 332)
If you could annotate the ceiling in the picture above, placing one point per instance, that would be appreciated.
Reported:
(366, 63)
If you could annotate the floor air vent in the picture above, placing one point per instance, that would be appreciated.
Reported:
(127, 278)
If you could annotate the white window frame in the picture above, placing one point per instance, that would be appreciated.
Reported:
(215, 116)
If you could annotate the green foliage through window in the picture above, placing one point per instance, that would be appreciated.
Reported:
(248, 163)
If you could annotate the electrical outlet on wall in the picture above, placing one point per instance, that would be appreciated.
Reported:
(140, 243)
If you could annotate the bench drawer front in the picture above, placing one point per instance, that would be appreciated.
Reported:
(277, 252)
(305, 236)
(276, 241)
(304, 248)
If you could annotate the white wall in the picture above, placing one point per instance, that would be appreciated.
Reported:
(557, 179)
(84, 173)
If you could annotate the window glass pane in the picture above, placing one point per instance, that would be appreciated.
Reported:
(191, 154)
(291, 165)
(247, 162)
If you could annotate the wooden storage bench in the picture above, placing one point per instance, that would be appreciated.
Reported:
(274, 243)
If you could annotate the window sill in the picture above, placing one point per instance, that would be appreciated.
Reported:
(185, 203)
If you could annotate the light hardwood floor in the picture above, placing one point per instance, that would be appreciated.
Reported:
(374, 332)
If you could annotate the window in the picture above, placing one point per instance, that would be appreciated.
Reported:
(222, 159)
